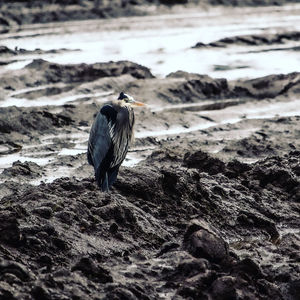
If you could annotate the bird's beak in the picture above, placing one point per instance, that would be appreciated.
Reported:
(137, 103)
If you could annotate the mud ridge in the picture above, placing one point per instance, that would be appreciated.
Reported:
(253, 40)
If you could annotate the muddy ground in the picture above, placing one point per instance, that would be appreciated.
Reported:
(207, 202)
(15, 13)
(211, 211)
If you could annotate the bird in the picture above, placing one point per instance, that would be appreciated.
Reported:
(110, 137)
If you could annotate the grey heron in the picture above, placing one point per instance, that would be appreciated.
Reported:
(110, 137)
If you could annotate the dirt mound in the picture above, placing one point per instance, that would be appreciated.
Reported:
(269, 86)
(253, 40)
(178, 87)
(41, 72)
(85, 72)
(30, 121)
(29, 170)
(173, 229)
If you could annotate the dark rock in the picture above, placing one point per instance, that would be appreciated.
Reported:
(60, 243)
(192, 267)
(202, 242)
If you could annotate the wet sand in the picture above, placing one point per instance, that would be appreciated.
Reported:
(206, 204)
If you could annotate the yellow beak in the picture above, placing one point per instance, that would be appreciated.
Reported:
(137, 103)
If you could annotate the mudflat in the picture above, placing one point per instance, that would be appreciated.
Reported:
(206, 205)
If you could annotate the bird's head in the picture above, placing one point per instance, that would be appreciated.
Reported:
(129, 100)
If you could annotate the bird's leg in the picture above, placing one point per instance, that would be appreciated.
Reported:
(106, 179)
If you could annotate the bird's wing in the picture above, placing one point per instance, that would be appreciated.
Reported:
(121, 140)
(100, 139)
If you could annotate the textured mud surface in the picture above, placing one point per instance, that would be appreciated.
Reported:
(206, 205)
(193, 220)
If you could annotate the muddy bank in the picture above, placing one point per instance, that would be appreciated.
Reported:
(16, 13)
(253, 40)
(211, 209)
(8, 56)
(41, 72)
(181, 86)
(193, 227)
(77, 91)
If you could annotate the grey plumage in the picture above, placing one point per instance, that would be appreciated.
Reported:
(110, 137)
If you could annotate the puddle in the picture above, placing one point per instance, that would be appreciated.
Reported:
(73, 151)
(164, 42)
(229, 115)
(53, 101)
(7, 160)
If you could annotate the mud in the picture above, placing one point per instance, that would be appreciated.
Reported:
(206, 204)
(254, 40)
(8, 55)
(16, 13)
(194, 219)
(186, 230)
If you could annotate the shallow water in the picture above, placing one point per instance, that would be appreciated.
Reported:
(163, 43)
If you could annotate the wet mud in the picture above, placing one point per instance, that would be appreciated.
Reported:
(206, 204)
(16, 13)
(208, 211)
(254, 40)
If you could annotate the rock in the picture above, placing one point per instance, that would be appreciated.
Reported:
(202, 242)
(192, 267)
